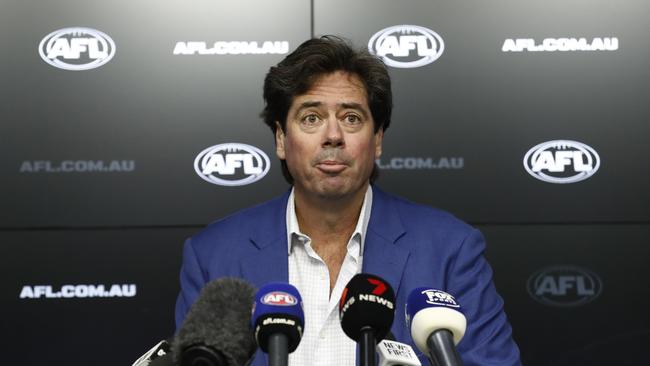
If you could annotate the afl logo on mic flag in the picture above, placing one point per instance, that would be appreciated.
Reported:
(77, 48)
(232, 164)
(562, 161)
(279, 298)
(406, 46)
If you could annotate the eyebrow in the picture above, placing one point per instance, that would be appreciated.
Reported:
(356, 106)
(308, 104)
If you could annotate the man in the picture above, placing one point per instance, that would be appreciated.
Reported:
(328, 107)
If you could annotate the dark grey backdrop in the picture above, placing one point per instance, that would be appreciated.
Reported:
(157, 111)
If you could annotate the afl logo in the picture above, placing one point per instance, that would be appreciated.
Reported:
(77, 48)
(232, 164)
(564, 286)
(406, 46)
(279, 298)
(561, 161)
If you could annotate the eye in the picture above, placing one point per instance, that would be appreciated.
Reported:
(352, 119)
(310, 119)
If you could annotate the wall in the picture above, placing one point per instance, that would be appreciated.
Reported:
(98, 166)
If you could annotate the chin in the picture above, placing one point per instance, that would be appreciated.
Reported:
(332, 193)
(335, 191)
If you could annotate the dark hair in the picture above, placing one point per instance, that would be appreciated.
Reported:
(316, 57)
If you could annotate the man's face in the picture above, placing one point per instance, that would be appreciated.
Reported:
(329, 144)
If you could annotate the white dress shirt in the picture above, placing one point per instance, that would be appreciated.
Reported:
(323, 341)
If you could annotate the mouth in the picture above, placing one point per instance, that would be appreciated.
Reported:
(331, 166)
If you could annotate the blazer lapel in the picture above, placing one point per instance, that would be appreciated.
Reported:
(270, 262)
(381, 255)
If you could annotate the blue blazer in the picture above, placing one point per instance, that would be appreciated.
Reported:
(407, 244)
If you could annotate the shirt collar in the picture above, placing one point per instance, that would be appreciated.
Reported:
(293, 229)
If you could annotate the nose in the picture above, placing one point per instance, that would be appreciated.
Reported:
(333, 134)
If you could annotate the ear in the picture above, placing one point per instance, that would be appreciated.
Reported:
(279, 141)
(379, 137)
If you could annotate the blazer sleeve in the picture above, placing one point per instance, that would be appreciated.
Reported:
(488, 339)
(192, 281)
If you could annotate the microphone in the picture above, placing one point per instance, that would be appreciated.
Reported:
(165, 360)
(436, 323)
(162, 348)
(278, 320)
(366, 311)
(392, 353)
(216, 331)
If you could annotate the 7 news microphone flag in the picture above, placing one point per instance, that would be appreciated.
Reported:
(366, 311)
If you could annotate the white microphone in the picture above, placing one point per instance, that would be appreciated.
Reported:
(392, 353)
(436, 323)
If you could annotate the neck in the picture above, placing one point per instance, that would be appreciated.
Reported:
(326, 216)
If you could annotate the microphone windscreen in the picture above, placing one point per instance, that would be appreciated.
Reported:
(278, 309)
(367, 301)
(218, 322)
(429, 310)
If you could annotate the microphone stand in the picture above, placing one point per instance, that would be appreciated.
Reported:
(368, 344)
(278, 350)
(442, 349)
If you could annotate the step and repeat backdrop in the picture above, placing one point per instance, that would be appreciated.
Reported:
(126, 126)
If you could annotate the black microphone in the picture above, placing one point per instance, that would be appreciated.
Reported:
(366, 311)
(278, 320)
(436, 323)
(216, 331)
